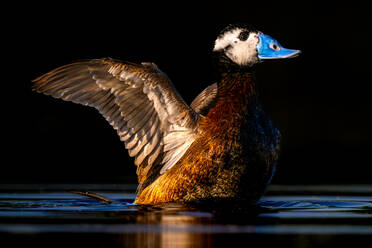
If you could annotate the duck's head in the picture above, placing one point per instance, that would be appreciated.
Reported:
(245, 46)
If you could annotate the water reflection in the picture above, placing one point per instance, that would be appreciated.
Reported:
(169, 231)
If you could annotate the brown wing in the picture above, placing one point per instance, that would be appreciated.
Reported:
(139, 101)
(205, 100)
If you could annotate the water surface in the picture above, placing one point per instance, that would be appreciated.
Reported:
(293, 216)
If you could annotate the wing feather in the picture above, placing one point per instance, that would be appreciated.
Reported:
(155, 148)
(205, 100)
(139, 102)
(145, 122)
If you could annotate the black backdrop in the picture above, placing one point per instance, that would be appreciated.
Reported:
(320, 101)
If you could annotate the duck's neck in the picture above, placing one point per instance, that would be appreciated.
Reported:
(236, 100)
(235, 86)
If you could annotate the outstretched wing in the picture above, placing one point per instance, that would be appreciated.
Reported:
(139, 101)
(205, 100)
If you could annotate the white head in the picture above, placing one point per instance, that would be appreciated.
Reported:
(239, 45)
(246, 46)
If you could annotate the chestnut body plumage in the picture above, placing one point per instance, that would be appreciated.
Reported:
(234, 156)
(222, 146)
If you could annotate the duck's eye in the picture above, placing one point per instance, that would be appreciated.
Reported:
(274, 47)
(243, 35)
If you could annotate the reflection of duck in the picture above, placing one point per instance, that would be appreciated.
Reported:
(221, 146)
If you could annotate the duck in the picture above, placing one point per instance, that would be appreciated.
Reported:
(222, 146)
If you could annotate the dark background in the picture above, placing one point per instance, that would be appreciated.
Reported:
(320, 101)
